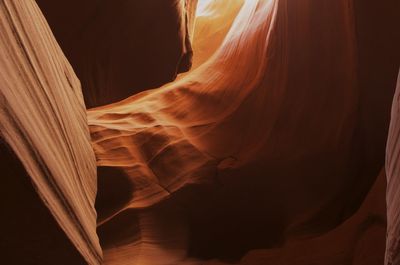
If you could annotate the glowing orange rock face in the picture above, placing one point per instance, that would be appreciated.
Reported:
(263, 144)
(265, 118)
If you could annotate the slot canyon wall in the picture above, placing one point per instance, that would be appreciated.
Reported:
(119, 48)
(393, 175)
(151, 132)
(49, 219)
(270, 150)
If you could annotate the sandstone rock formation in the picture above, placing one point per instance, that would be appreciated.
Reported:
(393, 176)
(43, 122)
(360, 240)
(270, 151)
(273, 113)
(119, 48)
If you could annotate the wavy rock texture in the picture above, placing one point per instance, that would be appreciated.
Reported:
(119, 48)
(274, 113)
(43, 123)
(393, 177)
(265, 153)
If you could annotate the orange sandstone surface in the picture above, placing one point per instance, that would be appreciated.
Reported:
(270, 150)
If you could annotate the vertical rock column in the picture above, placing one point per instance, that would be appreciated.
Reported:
(43, 122)
(393, 183)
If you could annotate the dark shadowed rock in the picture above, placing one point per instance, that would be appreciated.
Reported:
(119, 48)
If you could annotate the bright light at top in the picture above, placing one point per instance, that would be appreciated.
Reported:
(203, 8)
(207, 7)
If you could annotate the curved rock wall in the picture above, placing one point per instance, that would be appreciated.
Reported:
(272, 142)
(270, 116)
